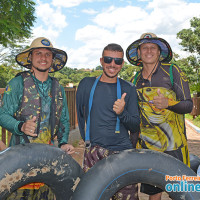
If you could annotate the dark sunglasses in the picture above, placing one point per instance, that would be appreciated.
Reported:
(108, 60)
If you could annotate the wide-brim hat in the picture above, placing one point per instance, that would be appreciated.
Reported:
(59, 56)
(132, 50)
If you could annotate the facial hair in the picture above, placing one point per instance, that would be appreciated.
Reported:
(109, 75)
(40, 70)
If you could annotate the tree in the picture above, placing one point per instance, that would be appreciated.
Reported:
(187, 66)
(16, 19)
(99, 67)
(191, 37)
(191, 43)
(128, 71)
(6, 74)
(7, 55)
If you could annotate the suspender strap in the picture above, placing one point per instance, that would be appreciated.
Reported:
(135, 79)
(117, 130)
(119, 94)
(53, 109)
(87, 136)
(171, 74)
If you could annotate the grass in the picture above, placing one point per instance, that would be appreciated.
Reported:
(76, 143)
(195, 121)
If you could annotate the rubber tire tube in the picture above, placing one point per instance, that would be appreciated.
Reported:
(111, 174)
(194, 162)
(27, 163)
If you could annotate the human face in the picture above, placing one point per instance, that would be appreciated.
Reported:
(41, 59)
(149, 53)
(111, 70)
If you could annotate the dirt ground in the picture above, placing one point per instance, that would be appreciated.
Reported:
(193, 144)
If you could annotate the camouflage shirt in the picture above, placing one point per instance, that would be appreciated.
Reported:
(11, 103)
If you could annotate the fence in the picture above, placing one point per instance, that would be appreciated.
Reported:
(71, 102)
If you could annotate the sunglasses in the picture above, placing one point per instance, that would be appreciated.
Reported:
(108, 60)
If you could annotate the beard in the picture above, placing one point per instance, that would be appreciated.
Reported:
(113, 76)
(41, 70)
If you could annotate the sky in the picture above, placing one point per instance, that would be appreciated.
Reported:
(83, 28)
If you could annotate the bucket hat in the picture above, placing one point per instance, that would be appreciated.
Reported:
(165, 49)
(59, 56)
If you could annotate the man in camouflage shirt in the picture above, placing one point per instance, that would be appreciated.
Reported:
(34, 107)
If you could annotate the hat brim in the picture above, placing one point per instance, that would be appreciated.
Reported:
(59, 59)
(165, 54)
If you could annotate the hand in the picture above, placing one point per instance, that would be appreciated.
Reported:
(119, 105)
(29, 126)
(160, 101)
(68, 148)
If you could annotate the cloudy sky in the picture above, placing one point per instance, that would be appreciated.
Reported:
(84, 27)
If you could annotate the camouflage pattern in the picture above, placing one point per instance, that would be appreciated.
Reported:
(31, 102)
(31, 106)
(92, 155)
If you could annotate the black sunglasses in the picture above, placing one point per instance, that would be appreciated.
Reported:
(108, 60)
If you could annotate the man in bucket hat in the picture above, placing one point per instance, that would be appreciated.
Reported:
(164, 98)
(34, 107)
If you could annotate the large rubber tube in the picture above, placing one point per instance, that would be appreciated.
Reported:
(133, 166)
(194, 162)
(27, 163)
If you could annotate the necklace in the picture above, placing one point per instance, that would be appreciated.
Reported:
(149, 74)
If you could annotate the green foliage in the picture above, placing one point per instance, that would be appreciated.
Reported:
(69, 75)
(6, 74)
(99, 67)
(16, 20)
(96, 73)
(190, 40)
(128, 71)
(190, 67)
(191, 37)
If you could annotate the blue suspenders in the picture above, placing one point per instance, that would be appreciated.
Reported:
(117, 129)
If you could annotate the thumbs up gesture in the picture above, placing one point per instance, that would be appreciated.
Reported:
(160, 101)
(29, 126)
(118, 106)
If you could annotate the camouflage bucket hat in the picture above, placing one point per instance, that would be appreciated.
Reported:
(165, 54)
(59, 56)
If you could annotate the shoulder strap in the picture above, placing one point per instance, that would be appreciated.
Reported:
(25, 137)
(21, 73)
(135, 78)
(171, 74)
(56, 108)
(53, 106)
(24, 74)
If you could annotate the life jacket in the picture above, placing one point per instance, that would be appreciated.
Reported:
(31, 106)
